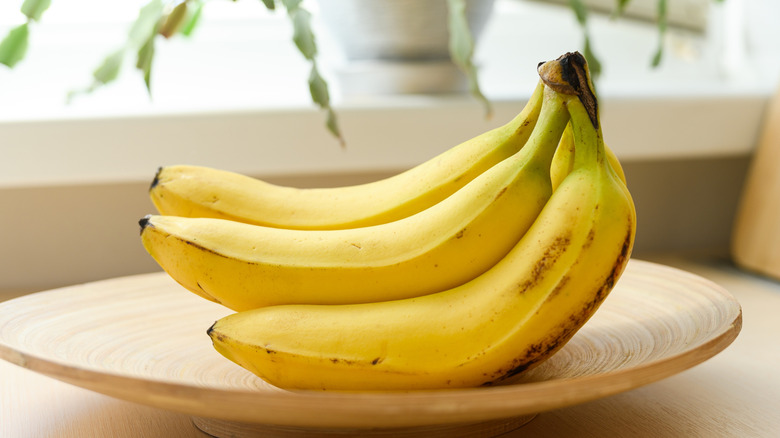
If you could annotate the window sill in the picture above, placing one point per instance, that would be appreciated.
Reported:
(222, 105)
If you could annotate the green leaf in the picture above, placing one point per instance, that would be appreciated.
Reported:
(461, 41)
(149, 23)
(291, 5)
(146, 23)
(662, 20)
(193, 17)
(144, 61)
(655, 61)
(475, 90)
(461, 45)
(14, 45)
(34, 9)
(140, 40)
(174, 20)
(110, 68)
(332, 124)
(321, 96)
(269, 4)
(318, 88)
(580, 11)
(594, 65)
(107, 71)
(620, 7)
(303, 36)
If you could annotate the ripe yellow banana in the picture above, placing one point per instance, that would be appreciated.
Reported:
(194, 191)
(563, 160)
(480, 333)
(246, 266)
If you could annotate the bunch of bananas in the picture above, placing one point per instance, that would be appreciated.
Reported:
(463, 271)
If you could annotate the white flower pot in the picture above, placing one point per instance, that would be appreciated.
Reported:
(398, 46)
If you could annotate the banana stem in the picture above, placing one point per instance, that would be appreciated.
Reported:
(570, 78)
(537, 95)
(553, 118)
(588, 143)
(569, 75)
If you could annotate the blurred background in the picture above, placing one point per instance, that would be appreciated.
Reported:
(233, 94)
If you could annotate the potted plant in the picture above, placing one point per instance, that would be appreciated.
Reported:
(460, 20)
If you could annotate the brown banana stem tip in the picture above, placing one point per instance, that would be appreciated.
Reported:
(569, 75)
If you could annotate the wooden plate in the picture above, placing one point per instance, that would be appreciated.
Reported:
(143, 339)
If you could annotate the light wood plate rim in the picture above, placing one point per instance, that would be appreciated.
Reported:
(382, 409)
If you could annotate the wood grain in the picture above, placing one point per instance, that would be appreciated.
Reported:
(142, 339)
(756, 237)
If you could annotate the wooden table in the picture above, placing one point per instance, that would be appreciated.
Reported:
(735, 394)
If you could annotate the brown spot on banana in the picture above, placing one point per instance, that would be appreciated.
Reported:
(589, 238)
(503, 190)
(203, 248)
(578, 319)
(207, 295)
(558, 288)
(538, 352)
(348, 362)
(522, 126)
(544, 263)
(533, 355)
(622, 259)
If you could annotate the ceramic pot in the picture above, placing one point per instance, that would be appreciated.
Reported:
(398, 46)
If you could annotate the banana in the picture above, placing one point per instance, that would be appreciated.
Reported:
(563, 160)
(195, 191)
(244, 266)
(483, 332)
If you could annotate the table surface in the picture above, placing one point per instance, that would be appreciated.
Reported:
(734, 394)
